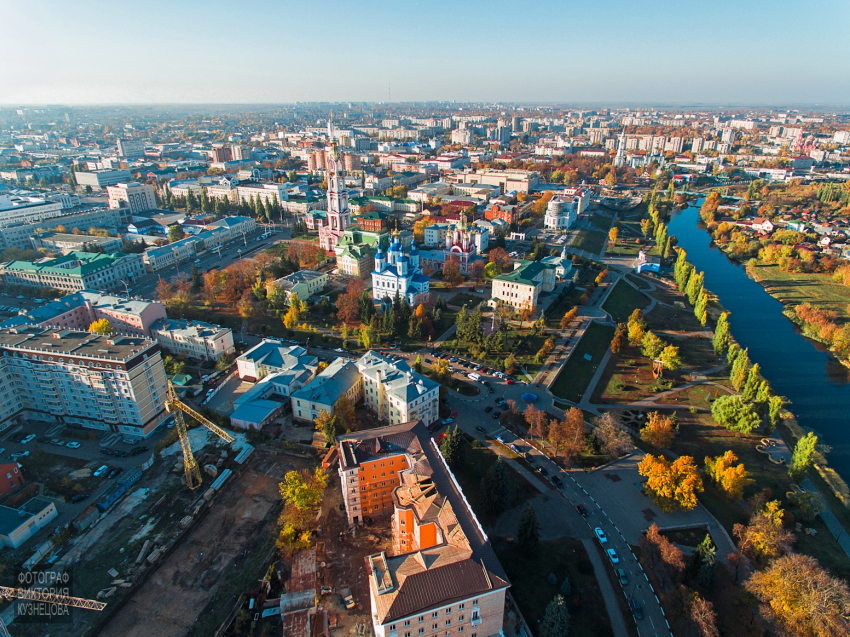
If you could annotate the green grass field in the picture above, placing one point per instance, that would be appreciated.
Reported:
(462, 298)
(603, 222)
(642, 283)
(623, 300)
(590, 241)
(577, 373)
(794, 288)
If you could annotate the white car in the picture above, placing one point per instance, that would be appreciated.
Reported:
(448, 421)
(600, 534)
(100, 471)
(73, 445)
(612, 555)
(29, 438)
(21, 454)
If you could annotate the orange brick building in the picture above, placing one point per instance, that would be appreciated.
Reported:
(11, 477)
(506, 213)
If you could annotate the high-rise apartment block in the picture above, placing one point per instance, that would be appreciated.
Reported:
(131, 148)
(131, 197)
(114, 383)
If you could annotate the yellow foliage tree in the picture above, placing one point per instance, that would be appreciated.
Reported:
(732, 478)
(764, 537)
(294, 312)
(636, 332)
(658, 431)
(101, 326)
(672, 484)
(613, 233)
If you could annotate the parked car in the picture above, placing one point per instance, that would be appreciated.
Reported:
(100, 470)
(454, 413)
(542, 471)
(138, 450)
(57, 442)
(129, 441)
(612, 555)
(600, 534)
(497, 415)
(115, 472)
(20, 454)
(481, 429)
(80, 497)
(557, 481)
(510, 381)
(488, 409)
(500, 438)
(73, 445)
(28, 439)
(448, 421)
(581, 510)
(637, 611)
(621, 575)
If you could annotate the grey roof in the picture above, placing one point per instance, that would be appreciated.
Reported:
(275, 354)
(327, 387)
(397, 377)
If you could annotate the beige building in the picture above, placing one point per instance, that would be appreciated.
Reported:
(65, 243)
(108, 383)
(195, 339)
(507, 180)
(396, 393)
(132, 196)
(442, 577)
(304, 283)
(76, 271)
(522, 287)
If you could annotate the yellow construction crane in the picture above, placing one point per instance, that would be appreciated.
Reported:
(49, 598)
(177, 407)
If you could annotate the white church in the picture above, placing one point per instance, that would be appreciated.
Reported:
(397, 272)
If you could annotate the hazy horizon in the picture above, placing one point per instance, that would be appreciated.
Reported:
(719, 55)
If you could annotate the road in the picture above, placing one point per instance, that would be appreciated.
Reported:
(573, 492)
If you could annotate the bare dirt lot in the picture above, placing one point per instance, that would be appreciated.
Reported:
(231, 544)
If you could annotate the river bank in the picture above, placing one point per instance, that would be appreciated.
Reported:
(815, 386)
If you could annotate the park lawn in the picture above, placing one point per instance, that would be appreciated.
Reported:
(603, 222)
(590, 241)
(576, 375)
(639, 281)
(532, 591)
(462, 298)
(627, 378)
(700, 396)
(794, 288)
(700, 436)
(628, 248)
(672, 319)
(623, 300)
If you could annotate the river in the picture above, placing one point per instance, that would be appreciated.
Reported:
(795, 366)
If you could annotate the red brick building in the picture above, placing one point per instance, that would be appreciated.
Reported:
(11, 477)
(506, 213)
(373, 221)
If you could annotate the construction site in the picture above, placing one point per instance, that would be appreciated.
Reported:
(170, 547)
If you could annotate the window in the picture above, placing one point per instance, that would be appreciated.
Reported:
(434, 614)
(448, 611)
(407, 622)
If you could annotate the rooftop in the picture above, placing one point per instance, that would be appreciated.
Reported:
(32, 341)
(190, 329)
(75, 264)
(327, 387)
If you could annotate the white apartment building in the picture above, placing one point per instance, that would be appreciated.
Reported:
(112, 383)
(130, 148)
(98, 179)
(396, 393)
(195, 339)
(132, 197)
(16, 209)
(267, 193)
(167, 255)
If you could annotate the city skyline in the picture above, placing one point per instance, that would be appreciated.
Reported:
(726, 54)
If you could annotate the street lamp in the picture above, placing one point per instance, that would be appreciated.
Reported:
(239, 250)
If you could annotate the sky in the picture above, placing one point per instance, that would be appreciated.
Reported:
(683, 52)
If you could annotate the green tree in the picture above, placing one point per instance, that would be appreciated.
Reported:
(452, 447)
(738, 375)
(329, 425)
(175, 233)
(803, 456)
(197, 281)
(701, 307)
(734, 413)
(652, 345)
(694, 287)
(670, 358)
(496, 487)
(224, 362)
(720, 341)
(774, 409)
(528, 533)
(303, 490)
(752, 384)
(556, 619)
(703, 561)
(417, 364)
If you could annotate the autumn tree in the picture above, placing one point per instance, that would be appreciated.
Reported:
(500, 257)
(621, 338)
(613, 233)
(803, 597)
(730, 477)
(348, 304)
(101, 326)
(658, 430)
(613, 440)
(664, 557)
(567, 435)
(293, 315)
(344, 411)
(451, 273)
(570, 316)
(765, 536)
(329, 425)
(701, 613)
(671, 484)
(537, 421)
(303, 490)
(720, 341)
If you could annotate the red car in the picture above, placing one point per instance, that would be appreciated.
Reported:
(511, 381)
(454, 414)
